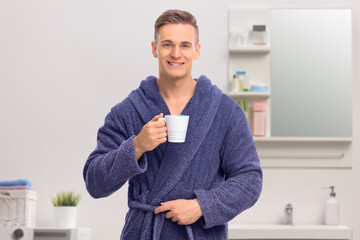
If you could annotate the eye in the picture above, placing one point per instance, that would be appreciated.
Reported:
(185, 46)
(166, 45)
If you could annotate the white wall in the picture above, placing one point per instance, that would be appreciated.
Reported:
(64, 64)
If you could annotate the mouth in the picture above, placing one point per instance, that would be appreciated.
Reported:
(175, 64)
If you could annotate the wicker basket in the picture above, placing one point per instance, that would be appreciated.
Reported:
(17, 208)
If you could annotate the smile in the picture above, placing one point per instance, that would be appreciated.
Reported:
(175, 63)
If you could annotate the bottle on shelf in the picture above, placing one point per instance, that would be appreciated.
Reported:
(244, 37)
(259, 119)
(332, 209)
(246, 83)
(234, 83)
(258, 35)
(238, 37)
(240, 76)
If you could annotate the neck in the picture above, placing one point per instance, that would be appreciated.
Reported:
(176, 93)
(176, 88)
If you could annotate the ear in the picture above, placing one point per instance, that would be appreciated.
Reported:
(197, 51)
(154, 49)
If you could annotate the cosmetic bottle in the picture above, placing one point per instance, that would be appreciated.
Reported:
(259, 119)
(258, 35)
(244, 37)
(246, 83)
(332, 209)
(241, 77)
(235, 83)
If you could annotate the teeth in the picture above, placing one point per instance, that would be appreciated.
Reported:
(175, 64)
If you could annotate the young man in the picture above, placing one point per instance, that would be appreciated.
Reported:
(176, 190)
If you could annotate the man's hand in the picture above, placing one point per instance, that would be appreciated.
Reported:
(182, 211)
(151, 135)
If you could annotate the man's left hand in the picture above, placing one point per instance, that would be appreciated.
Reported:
(182, 211)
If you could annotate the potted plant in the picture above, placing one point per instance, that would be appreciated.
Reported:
(65, 208)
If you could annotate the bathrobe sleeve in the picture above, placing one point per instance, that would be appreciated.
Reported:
(113, 161)
(243, 175)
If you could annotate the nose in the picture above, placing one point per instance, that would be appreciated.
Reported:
(176, 52)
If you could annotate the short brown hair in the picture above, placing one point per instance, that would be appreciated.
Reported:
(177, 17)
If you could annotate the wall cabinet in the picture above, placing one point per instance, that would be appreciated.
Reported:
(298, 114)
(253, 59)
(306, 64)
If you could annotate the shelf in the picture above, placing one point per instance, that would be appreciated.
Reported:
(239, 231)
(303, 139)
(249, 94)
(250, 49)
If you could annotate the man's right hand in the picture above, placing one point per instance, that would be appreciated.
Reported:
(151, 135)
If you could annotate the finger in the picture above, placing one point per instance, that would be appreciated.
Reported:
(182, 222)
(161, 134)
(157, 210)
(161, 209)
(162, 140)
(169, 214)
(159, 124)
(167, 203)
(157, 117)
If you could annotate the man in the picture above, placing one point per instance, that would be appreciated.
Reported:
(176, 190)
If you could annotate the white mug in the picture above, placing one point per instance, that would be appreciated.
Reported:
(176, 127)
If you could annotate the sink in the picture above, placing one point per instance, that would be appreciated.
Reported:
(240, 231)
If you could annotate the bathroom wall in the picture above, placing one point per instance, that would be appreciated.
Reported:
(64, 64)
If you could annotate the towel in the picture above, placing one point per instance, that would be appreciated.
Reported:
(17, 187)
(17, 182)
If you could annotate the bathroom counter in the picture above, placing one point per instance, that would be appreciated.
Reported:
(239, 231)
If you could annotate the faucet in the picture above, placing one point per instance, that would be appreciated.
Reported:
(288, 214)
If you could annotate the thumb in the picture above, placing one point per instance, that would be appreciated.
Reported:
(157, 117)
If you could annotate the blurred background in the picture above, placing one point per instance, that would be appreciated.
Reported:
(64, 64)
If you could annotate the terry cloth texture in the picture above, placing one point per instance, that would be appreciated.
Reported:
(218, 164)
(16, 182)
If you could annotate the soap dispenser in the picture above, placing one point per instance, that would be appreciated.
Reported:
(332, 209)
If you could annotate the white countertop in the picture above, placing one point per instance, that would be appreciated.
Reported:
(240, 231)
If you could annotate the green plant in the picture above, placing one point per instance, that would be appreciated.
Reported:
(68, 198)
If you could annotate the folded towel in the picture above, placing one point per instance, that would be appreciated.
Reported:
(19, 187)
(16, 182)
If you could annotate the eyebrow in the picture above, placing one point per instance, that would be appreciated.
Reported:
(169, 41)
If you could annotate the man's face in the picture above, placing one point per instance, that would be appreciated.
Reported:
(176, 50)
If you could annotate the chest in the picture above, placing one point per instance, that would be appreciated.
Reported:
(176, 109)
(176, 106)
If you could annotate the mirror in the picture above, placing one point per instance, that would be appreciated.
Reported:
(311, 73)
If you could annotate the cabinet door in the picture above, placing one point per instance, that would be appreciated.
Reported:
(311, 73)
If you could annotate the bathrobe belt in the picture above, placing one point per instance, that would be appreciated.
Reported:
(158, 222)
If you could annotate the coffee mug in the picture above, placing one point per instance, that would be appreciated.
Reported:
(176, 127)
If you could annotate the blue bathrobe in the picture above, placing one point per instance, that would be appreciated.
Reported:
(218, 164)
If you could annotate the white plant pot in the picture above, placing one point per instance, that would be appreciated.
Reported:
(65, 217)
